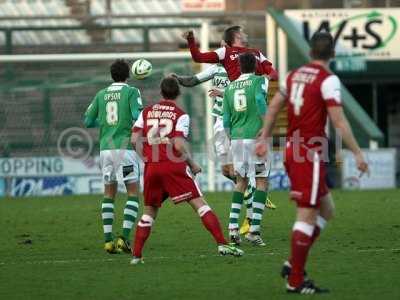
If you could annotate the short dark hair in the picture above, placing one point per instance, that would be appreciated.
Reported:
(322, 46)
(170, 88)
(119, 70)
(229, 34)
(247, 62)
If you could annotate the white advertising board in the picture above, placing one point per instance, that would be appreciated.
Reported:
(382, 165)
(48, 166)
(371, 34)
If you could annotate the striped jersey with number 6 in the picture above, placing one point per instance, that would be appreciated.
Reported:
(116, 108)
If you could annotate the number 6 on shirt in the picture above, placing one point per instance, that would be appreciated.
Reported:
(239, 100)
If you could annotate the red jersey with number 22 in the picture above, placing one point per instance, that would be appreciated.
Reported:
(160, 123)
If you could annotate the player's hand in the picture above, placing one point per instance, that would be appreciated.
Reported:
(261, 148)
(362, 165)
(188, 34)
(195, 168)
(215, 93)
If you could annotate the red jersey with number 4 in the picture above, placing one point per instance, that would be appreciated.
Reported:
(229, 58)
(310, 90)
(160, 123)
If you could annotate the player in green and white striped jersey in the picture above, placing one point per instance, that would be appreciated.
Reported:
(220, 81)
(244, 108)
(115, 109)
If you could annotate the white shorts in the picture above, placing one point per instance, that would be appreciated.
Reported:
(245, 162)
(119, 164)
(222, 143)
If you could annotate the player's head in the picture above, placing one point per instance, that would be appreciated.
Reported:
(234, 36)
(322, 46)
(247, 63)
(170, 88)
(119, 70)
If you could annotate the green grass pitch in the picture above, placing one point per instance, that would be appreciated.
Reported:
(52, 248)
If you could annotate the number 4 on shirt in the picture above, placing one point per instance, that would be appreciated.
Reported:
(296, 96)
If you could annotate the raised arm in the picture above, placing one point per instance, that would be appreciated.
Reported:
(200, 57)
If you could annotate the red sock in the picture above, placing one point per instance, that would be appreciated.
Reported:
(143, 230)
(301, 244)
(211, 222)
(314, 237)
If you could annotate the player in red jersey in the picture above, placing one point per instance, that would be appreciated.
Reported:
(312, 93)
(228, 56)
(160, 135)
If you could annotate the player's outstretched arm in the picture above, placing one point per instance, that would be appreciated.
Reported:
(187, 81)
(200, 57)
(342, 126)
(203, 76)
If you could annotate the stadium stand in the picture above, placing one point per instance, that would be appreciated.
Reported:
(40, 8)
(73, 9)
(142, 7)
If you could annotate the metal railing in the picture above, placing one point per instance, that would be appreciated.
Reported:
(146, 28)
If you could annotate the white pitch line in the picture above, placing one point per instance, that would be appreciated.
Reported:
(151, 258)
(70, 261)
(379, 250)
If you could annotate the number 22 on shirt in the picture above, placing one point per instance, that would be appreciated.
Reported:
(158, 134)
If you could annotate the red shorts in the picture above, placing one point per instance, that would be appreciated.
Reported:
(168, 179)
(307, 174)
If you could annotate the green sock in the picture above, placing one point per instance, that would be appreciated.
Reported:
(130, 215)
(258, 209)
(249, 201)
(237, 201)
(107, 214)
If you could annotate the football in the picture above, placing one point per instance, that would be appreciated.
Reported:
(141, 69)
